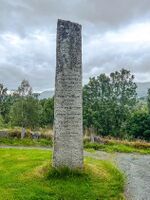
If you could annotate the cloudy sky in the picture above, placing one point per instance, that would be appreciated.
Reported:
(116, 34)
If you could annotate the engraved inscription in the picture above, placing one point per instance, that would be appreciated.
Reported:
(68, 133)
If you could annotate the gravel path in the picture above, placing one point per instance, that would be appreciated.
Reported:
(137, 170)
(135, 166)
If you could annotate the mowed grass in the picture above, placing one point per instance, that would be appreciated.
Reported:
(116, 147)
(26, 142)
(110, 146)
(28, 175)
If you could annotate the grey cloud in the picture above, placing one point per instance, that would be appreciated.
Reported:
(26, 15)
(107, 57)
(30, 59)
(33, 23)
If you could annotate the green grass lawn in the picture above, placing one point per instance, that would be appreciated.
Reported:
(109, 147)
(26, 142)
(116, 147)
(27, 175)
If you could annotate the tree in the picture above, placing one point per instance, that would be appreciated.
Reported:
(25, 110)
(47, 114)
(148, 100)
(96, 104)
(3, 91)
(6, 106)
(1, 122)
(24, 89)
(30, 108)
(138, 125)
(108, 102)
(3, 94)
(124, 94)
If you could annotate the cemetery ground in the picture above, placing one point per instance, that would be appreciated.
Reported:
(27, 174)
(45, 140)
(111, 146)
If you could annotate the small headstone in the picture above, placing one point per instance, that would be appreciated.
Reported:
(68, 131)
(35, 135)
(23, 133)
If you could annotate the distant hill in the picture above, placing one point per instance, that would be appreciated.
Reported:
(141, 91)
(46, 94)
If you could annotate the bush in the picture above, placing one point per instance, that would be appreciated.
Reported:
(86, 140)
(1, 122)
(138, 125)
(14, 133)
(46, 136)
(147, 134)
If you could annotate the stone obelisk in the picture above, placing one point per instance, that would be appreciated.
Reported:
(68, 133)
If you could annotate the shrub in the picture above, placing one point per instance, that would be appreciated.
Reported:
(1, 122)
(46, 136)
(14, 133)
(138, 124)
(147, 134)
(86, 140)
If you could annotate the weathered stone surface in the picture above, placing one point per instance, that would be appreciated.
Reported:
(23, 133)
(68, 133)
(35, 135)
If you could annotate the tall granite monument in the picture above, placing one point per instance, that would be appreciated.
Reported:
(68, 133)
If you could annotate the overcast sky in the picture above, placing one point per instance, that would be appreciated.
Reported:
(116, 34)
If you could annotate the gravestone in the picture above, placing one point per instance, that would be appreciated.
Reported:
(68, 133)
(23, 133)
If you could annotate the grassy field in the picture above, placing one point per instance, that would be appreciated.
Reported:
(117, 147)
(26, 142)
(109, 145)
(27, 175)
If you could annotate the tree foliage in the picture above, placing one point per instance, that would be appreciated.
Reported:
(110, 107)
(47, 114)
(25, 112)
(138, 125)
(3, 91)
(24, 89)
(3, 101)
(3, 94)
(148, 100)
(108, 101)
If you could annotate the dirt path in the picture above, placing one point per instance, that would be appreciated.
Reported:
(135, 166)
